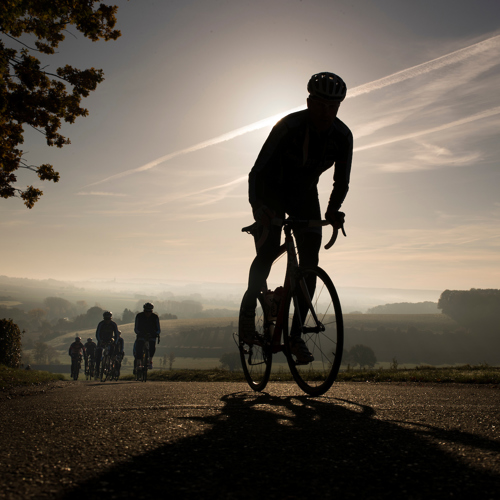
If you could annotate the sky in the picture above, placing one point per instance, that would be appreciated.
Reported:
(154, 183)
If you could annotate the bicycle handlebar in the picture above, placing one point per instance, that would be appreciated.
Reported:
(297, 223)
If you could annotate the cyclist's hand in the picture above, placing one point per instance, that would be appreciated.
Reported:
(335, 218)
(263, 214)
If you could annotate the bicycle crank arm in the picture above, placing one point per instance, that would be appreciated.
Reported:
(314, 329)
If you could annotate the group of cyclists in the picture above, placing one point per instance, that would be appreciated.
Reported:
(146, 328)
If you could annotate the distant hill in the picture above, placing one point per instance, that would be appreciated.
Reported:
(406, 308)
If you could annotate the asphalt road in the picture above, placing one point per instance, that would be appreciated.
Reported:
(220, 440)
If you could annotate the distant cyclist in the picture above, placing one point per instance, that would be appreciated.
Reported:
(90, 351)
(119, 351)
(284, 179)
(106, 333)
(76, 349)
(147, 326)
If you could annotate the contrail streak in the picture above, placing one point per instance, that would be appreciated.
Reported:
(420, 69)
(456, 123)
(206, 190)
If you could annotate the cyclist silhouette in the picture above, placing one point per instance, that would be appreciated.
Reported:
(106, 333)
(284, 179)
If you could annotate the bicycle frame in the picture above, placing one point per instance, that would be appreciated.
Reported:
(290, 284)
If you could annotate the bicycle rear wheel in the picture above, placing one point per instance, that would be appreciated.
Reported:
(257, 359)
(315, 295)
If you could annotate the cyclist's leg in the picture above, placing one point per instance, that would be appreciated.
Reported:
(152, 350)
(308, 242)
(308, 247)
(98, 356)
(138, 350)
(261, 266)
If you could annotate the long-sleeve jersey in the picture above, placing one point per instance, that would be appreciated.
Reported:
(293, 158)
(76, 348)
(106, 331)
(147, 326)
(90, 348)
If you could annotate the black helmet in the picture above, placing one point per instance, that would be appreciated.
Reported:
(89, 339)
(107, 314)
(77, 338)
(148, 306)
(327, 86)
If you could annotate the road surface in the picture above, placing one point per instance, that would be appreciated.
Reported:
(180, 440)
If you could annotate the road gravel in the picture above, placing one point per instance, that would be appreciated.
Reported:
(93, 440)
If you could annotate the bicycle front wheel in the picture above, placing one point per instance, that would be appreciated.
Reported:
(313, 312)
(145, 366)
(257, 359)
(105, 367)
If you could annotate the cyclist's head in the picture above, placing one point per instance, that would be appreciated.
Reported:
(77, 339)
(107, 314)
(148, 307)
(327, 86)
(89, 339)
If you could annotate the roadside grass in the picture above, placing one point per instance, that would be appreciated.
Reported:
(15, 377)
(466, 374)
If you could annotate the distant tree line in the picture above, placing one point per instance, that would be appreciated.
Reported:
(475, 309)
(10, 343)
(405, 308)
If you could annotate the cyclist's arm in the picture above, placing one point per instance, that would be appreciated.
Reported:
(98, 332)
(136, 326)
(158, 329)
(342, 172)
(116, 332)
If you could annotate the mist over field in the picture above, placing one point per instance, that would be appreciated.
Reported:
(116, 295)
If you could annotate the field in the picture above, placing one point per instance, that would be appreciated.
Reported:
(413, 340)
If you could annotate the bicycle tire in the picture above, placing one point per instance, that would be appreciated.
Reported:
(108, 368)
(145, 362)
(116, 370)
(326, 346)
(257, 359)
(104, 368)
(138, 372)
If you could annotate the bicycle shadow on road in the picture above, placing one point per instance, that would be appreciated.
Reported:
(260, 445)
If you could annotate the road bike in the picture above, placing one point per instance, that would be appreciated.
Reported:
(142, 364)
(116, 364)
(76, 364)
(89, 367)
(106, 362)
(307, 305)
